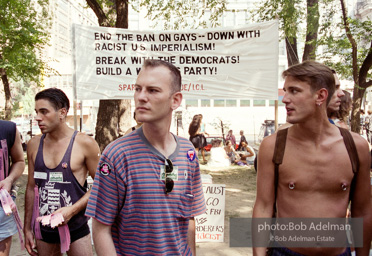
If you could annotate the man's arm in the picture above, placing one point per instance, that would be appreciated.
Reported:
(91, 152)
(29, 197)
(361, 203)
(18, 163)
(191, 236)
(265, 194)
(102, 239)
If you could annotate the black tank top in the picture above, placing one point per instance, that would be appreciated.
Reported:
(58, 187)
(7, 138)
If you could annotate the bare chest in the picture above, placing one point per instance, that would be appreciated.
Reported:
(324, 169)
(56, 153)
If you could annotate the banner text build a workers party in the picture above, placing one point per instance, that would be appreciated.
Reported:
(237, 62)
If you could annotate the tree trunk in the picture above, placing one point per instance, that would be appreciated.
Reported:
(359, 91)
(292, 53)
(311, 30)
(124, 116)
(8, 103)
(113, 117)
(355, 113)
(359, 75)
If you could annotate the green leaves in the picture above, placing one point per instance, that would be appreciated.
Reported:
(184, 14)
(23, 33)
(336, 43)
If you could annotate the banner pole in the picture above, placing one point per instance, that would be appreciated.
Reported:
(81, 116)
(276, 114)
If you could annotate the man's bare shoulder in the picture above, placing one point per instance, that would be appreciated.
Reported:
(85, 140)
(33, 143)
(268, 143)
(361, 144)
(359, 140)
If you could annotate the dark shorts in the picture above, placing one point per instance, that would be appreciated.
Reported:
(199, 141)
(282, 251)
(53, 237)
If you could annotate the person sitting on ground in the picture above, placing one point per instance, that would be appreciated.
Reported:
(248, 155)
(242, 138)
(197, 138)
(230, 136)
(218, 157)
(231, 153)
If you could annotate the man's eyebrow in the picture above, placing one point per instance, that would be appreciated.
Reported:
(292, 87)
(41, 109)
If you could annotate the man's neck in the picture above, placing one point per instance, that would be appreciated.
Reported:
(62, 132)
(160, 138)
(313, 130)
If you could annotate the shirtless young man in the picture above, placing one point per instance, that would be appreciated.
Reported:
(310, 184)
(59, 161)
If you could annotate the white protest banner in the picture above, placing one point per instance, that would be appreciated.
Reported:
(210, 225)
(235, 62)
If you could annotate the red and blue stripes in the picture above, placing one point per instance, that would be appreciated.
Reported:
(131, 198)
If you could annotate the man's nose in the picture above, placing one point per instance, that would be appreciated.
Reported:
(37, 117)
(141, 95)
(285, 98)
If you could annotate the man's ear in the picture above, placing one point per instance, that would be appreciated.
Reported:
(62, 113)
(322, 96)
(176, 100)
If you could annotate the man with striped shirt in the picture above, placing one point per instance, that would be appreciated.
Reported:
(148, 186)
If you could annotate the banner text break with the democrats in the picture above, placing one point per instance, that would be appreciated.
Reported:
(236, 62)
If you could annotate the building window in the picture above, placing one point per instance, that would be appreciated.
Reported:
(191, 103)
(245, 103)
(205, 103)
(230, 103)
(259, 103)
(280, 103)
(219, 103)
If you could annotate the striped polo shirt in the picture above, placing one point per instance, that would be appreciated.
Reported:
(129, 194)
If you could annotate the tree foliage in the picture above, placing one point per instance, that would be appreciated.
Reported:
(22, 38)
(23, 98)
(185, 13)
(297, 24)
(348, 49)
(289, 15)
(346, 42)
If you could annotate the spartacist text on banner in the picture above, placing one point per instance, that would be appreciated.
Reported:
(229, 63)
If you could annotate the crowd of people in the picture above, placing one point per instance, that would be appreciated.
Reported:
(147, 186)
